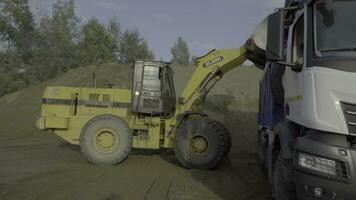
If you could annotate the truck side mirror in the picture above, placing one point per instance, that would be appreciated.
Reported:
(275, 36)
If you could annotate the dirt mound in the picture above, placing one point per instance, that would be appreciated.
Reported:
(20, 110)
(38, 165)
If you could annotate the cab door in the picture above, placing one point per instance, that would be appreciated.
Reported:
(293, 77)
(169, 95)
(147, 88)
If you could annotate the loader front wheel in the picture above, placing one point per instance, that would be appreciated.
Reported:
(201, 143)
(106, 140)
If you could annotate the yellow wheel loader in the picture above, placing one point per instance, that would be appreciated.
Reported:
(108, 122)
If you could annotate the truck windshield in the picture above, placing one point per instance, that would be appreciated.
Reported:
(335, 27)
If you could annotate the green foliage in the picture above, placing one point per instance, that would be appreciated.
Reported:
(98, 44)
(193, 59)
(12, 73)
(35, 51)
(180, 52)
(17, 27)
(133, 46)
(8, 84)
(57, 49)
(114, 29)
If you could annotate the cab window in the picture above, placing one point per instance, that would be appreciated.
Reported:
(298, 42)
(169, 82)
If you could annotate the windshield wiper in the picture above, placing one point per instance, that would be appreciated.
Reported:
(339, 49)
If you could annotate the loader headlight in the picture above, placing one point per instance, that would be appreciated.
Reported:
(318, 164)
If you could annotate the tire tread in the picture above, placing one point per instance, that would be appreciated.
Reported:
(223, 148)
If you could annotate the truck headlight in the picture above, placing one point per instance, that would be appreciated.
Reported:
(318, 164)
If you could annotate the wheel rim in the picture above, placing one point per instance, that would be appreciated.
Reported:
(199, 144)
(106, 141)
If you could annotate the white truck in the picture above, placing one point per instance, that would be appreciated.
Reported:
(307, 135)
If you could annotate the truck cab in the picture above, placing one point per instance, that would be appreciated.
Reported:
(308, 99)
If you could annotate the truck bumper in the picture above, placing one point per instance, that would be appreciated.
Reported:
(312, 184)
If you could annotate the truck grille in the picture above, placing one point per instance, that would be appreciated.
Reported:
(350, 116)
(94, 97)
(342, 170)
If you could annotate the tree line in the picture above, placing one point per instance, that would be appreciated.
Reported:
(35, 50)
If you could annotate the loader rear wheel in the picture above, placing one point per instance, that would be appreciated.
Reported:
(201, 143)
(106, 140)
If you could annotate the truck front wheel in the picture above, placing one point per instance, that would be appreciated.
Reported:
(201, 143)
(283, 180)
(106, 140)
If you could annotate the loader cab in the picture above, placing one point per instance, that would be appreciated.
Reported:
(153, 90)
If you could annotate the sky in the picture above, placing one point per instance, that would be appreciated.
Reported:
(203, 24)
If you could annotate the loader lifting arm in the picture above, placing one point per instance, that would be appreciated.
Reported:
(210, 69)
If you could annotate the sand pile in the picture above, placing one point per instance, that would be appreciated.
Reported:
(20, 110)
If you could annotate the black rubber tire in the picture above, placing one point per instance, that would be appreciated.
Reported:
(284, 187)
(261, 150)
(217, 136)
(226, 135)
(116, 126)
